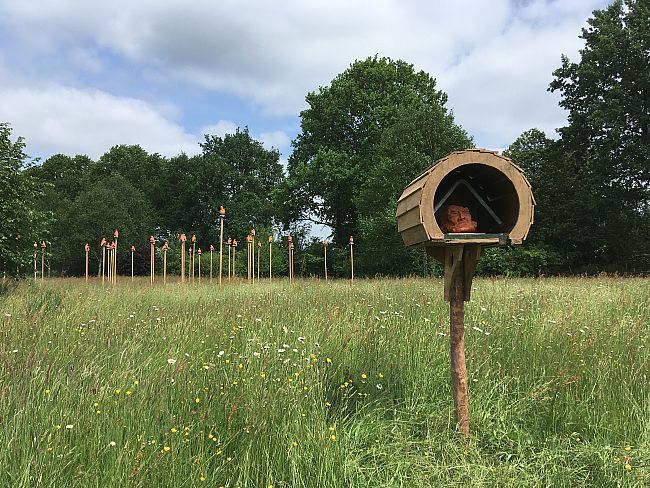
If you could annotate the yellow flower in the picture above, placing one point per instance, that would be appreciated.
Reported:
(197, 400)
(166, 449)
(294, 444)
(628, 448)
(263, 375)
(173, 430)
(210, 436)
(47, 392)
(328, 360)
(333, 437)
(96, 404)
(380, 375)
(98, 412)
(136, 382)
(331, 428)
(202, 477)
(117, 391)
(129, 392)
(363, 376)
(628, 467)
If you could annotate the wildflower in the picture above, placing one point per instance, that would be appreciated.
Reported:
(380, 375)
(112, 444)
(69, 426)
(628, 467)
(47, 392)
(166, 449)
(333, 437)
(628, 448)
(363, 376)
(117, 391)
(136, 382)
(173, 430)
(294, 444)
(129, 392)
(171, 361)
(331, 428)
(197, 400)
(263, 375)
(202, 477)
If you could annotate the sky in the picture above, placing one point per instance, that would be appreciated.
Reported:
(78, 77)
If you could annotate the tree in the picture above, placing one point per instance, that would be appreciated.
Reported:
(22, 223)
(363, 138)
(240, 174)
(607, 139)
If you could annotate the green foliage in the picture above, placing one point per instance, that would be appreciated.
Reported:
(363, 139)
(607, 140)
(524, 260)
(22, 223)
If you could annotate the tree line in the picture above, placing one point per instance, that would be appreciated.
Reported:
(363, 138)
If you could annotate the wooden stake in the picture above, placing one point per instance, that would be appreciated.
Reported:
(290, 246)
(229, 247)
(35, 253)
(259, 248)
(103, 246)
(152, 246)
(87, 249)
(253, 255)
(248, 258)
(116, 234)
(199, 265)
(222, 216)
(183, 239)
(132, 254)
(192, 255)
(211, 251)
(234, 251)
(351, 260)
(43, 246)
(325, 252)
(270, 260)
(165, 246)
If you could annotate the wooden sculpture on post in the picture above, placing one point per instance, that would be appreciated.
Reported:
(164, 249)
(211, 251)
(102, 244)
(132, 261)
(87, 249)
(183, 238)
(229, 247)
(199, 265)
(43, 246)
(192, 254)
(152, 259)
(253, 255)
(35, 256)
(222, 217)
(351, 260)
(466, 201)
(116, 234)
(325, 256)
(234, 250)
(270, 260)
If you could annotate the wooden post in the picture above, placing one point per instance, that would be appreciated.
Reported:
(103, 246)
(259, 249)
(43, 246)
(183, 239)
(234, 251)
(248, 255)
(253, 255)
(152, 246)
(132, 254)
(229, 247)
(270, 260)
(164, 248)
(116, 234)
(290, 246)
(325, 254)
(222, 216)
(351, 260)
(199, 265)
(87, 249)
(35, 253)
(211, 251)
(192, 255)
(191, 263)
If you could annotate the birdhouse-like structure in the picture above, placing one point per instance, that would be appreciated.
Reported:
(465, 201)
(491, 187)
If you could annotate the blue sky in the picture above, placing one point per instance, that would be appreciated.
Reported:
(77, 77)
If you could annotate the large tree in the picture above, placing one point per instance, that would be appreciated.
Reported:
(21, 222)
(364, 137)
(607, 139)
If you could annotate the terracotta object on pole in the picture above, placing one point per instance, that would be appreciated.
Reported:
(222, 217)
(464, 202)
(183, 239)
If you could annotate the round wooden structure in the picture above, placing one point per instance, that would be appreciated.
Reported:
(490, 185)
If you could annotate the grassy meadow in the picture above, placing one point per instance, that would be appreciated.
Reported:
(323, 384)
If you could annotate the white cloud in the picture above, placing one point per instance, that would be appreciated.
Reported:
(221, 128)
(277, 139)
(57, 119)
(493, 57)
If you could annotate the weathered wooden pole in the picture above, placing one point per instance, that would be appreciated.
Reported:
(325, 254)
(253, 255)
(270, 260)
(211, 251)
(87, 249)
(229, 247)
(191, 263)
(152, 252)
(113, 262)
(103, 246)
(234, 251)
(290, 246)
(183, 239)
(43, 246)
(116, 234)
(199, 251)
(249, 240)
(222, 217)
(35, 256)
(164, 248)
(192, 255)
(259, 251)
(351, 260)
(132, 261)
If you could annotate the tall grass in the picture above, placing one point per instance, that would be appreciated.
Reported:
(323, 384)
